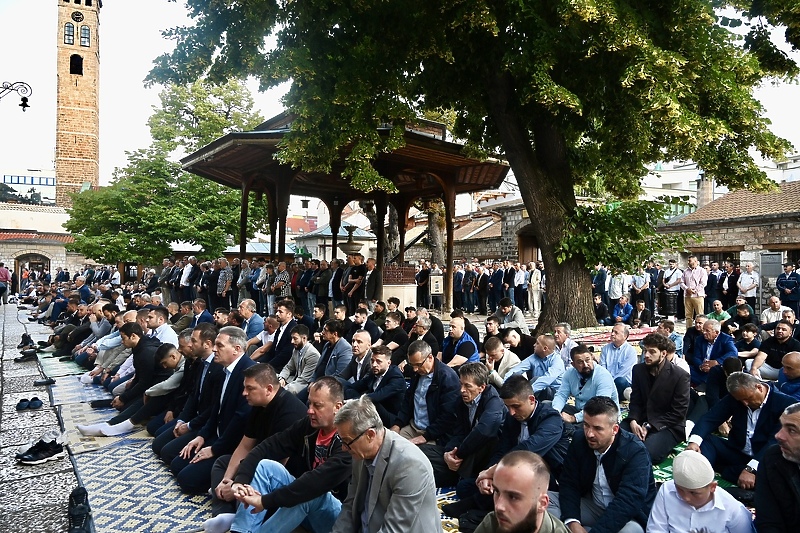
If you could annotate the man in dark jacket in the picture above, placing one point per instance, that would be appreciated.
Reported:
(659, 399)
(619, 499)
(384, 385)
(148, 373)
(429, 417)
(471, 441)
(737, 457)
(778, 479)
(311, 495)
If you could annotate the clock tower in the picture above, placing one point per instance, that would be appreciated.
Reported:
(77, 102)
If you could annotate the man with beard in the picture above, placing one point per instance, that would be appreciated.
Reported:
(659, 400)
(520, 497)
(583, 381)
(778, 478)
(619, 496)
(767, 363)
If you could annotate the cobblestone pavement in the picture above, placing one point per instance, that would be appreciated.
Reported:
(33, 499)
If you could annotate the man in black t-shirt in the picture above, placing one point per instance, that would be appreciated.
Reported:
(393, 337)
(767, 363)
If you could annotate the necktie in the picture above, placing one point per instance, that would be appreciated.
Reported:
(206, 364)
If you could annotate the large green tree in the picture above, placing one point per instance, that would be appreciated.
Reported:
(565, 90)
(151, 203)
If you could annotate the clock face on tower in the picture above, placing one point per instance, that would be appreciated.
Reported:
(77, 16)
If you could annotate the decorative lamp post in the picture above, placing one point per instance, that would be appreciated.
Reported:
(21, 88)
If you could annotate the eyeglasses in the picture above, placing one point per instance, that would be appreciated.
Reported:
(349, 445)
(418, 365)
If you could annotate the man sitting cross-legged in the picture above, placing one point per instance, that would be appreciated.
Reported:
(298, 372)
(659, 400)
(274, 409)
(391, 486)
(274, 499)
(472, 439)
(607, 484)
(384, 385)
(755, 408)
(583, 381)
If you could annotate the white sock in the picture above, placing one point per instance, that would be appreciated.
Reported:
(126, 426)
(91, 430)
(219, 524)
(86, 378)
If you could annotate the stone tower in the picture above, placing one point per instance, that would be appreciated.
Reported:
(77, 106)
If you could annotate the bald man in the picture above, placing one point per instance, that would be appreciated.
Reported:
(789, 375)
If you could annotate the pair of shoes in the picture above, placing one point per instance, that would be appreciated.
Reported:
(27, 355)
(48, 451)
(44, 382)
(33, 403)
(50, 436)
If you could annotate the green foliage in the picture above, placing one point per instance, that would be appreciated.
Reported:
(620, 234)
(152, 203)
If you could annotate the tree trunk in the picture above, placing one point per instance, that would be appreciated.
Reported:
(545, 181)
(392, 234)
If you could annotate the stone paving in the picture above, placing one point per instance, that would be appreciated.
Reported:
(33, 499)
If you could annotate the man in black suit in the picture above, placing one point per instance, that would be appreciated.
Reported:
(281, 350)
(173, 436)
(373, 284)
(659, 399)
(756, 408)
(359, 365)
(778, 480)
(384, 385)
(482, 285)
(361, 322)
(640, 318)
(224, 428)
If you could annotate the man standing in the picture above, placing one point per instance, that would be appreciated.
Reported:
(693, 283)
(670, 287)
(495, 286)
(607, 485)
(748, 285)
(482, 289)
(469, 288)
(788, 285)
(659, 400)
(224, 283)
(392, 485)
(713, 286)
(163, 280)
(519, 485)
(778, 479)
(618, 357)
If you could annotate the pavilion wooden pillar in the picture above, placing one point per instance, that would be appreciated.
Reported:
(282, 190)
(272, 210)
(246, 186)
(381, 205)
(335, 223)
(449, 216)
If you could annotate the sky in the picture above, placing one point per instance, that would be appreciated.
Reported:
(130, 39)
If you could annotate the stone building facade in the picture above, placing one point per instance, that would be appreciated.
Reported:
(77, 106)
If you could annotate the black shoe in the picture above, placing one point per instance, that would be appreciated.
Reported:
(40, 444)
(28, 355)
(65, 359)
(100, 404)
(26, 340)
(456, 509)
(43, 344)
(746, 497)
(79, 518)
(52, 451)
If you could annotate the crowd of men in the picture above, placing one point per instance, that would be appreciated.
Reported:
(307, 400)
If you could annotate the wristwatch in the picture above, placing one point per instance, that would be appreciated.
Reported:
(750, 470)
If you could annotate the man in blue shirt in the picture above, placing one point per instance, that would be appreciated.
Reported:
(618, 357)
(583, 381)
(621, 313)
(544, 368)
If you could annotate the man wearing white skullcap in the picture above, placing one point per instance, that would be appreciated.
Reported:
(692, 501)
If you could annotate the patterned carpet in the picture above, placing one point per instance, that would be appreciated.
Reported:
(73, 414)
(131, 491)
(69, 390)
(53, 368)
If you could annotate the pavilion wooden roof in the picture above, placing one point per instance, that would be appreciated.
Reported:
(240, 156)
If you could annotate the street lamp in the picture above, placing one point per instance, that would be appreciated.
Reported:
(21, 88)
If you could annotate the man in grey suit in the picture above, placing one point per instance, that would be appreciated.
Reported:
(392, 487)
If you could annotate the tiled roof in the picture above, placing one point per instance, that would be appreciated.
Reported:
(480, 228)
(10, 235)
(744, 204)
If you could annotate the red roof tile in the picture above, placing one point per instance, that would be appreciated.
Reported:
(743, 204)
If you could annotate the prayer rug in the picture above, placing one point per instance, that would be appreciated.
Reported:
(53, 368)
(444, 496)
(663, 472)
(599, 339)
(70, 390)
(130, 490)
(73, 414)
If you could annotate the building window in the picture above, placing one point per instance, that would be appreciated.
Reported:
(69, 33)
(77, 1)
(85, 36)
(88, 3)
(76, 64)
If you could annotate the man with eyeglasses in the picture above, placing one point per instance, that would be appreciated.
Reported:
(392, 480)
(426, 414)
(307, 491)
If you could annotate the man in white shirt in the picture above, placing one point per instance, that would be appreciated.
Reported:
(748, 285)
(160, 327)
(691, 501)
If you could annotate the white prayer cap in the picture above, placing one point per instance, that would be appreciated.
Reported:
(691, 470)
